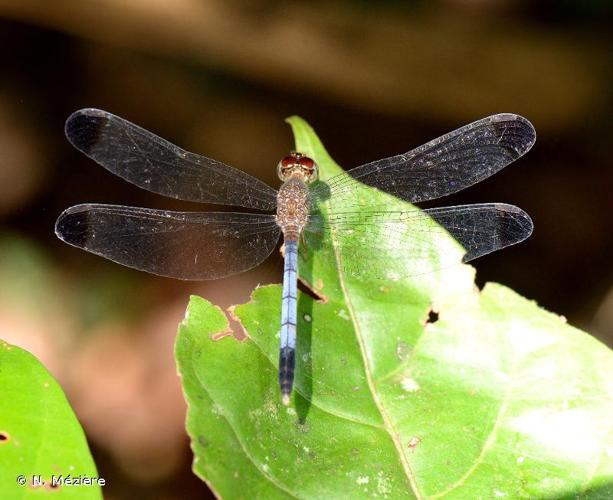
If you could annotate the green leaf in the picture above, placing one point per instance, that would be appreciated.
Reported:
(497, 398)
(40, 436)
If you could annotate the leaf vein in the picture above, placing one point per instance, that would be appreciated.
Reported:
(486, 445)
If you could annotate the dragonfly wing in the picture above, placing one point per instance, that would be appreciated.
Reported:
(443, 166)
(154, 164)
(183, 245)
(397, 244)
(483, 228)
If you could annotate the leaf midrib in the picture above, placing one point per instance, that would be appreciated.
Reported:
(387, 423)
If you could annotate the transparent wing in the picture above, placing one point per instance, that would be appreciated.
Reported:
(397, 244)
(443, 166)
(183, 245)
(157, 165)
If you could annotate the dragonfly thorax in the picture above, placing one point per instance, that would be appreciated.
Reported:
(297, 165)
(293, 207)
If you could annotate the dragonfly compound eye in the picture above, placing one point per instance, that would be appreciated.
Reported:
(295, 163)
(309, 167)
(306, 162)
(289, 161)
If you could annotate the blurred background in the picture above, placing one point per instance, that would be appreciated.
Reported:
(218, 78)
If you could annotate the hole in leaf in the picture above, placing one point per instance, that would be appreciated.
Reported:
(432, 316)
(236, 328)
(225, 333)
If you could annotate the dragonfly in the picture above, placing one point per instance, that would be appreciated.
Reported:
(212, 245)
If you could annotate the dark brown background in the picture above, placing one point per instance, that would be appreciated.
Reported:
(218, 77)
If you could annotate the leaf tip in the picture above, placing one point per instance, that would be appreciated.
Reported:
(194, 301)
(296, 121)
(202, 314)
(301, 130)
(307, 142)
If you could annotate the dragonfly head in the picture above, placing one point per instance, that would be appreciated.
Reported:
(297, 165)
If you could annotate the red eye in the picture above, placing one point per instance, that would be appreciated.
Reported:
(288, 160)
(305, 161)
